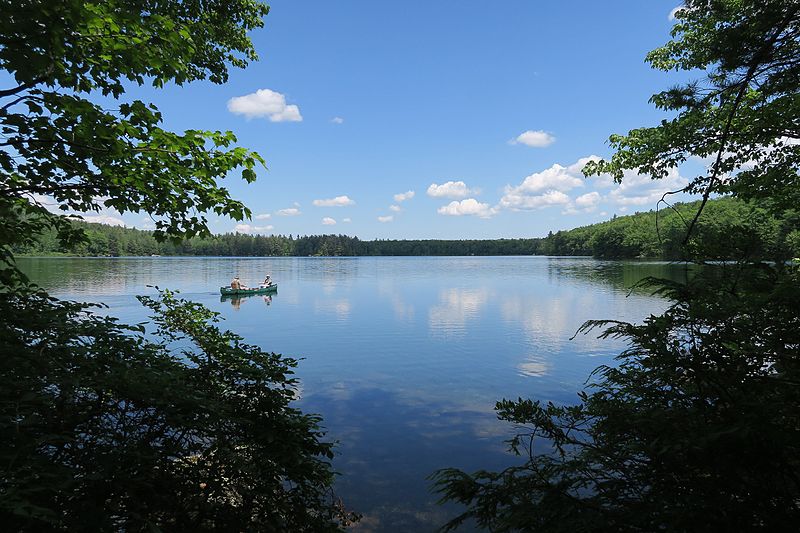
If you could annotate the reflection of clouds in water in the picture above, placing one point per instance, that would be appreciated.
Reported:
(456, 307)
(403, 311)
(298, 390)
(329, 285)
(401, 518)
(389, 440)
(550, 323)
(534, 367)
(340, 308)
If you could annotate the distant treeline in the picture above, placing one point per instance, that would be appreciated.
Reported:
(728, 229)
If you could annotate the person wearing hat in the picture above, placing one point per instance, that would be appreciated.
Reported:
(267, 282)
(235, 284)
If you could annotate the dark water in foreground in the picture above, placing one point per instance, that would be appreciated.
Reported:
(403, 357)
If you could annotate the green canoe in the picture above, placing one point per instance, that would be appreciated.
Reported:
(227, 291)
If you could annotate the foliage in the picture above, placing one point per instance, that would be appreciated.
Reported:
(185, 428)
(63, 144)
(104, 426)
(696, 428)
(742, 118)
(731, 229)
(105, 240)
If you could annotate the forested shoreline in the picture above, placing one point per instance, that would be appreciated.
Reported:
(729, 229)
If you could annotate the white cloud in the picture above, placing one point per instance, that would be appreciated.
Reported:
(346, 220)
(640, 189)
(247, 228)
(584, 203)
(470, 206)
(288, 212)
(47, 202)
(588, 200)
(263, 216)
(546, 188)
(450, 189)
(534, 138)
(100, 219)
(403, 196)
(674, 12)
(339, 201)
(337, 120)
(387, 218)
(556, 177)
(395, 208)
(265, 103)
(328, 221)
(515, 201)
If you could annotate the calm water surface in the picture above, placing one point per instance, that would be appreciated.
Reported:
(403, 357)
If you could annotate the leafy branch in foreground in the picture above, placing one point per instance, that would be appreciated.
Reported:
(70, 142)
(186, 427)
(741, 119)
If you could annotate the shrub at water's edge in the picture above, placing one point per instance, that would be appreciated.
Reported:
(187, 428)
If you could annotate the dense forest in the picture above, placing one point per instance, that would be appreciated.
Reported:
(728, 229)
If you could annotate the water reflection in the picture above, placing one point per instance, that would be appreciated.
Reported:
(456, 307)
(623, 275)
(404, 358)
(534, 366)
(237, 300)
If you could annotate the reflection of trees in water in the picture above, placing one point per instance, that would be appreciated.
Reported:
(622, 275)
(122, 275)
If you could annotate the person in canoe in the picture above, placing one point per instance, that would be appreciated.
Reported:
(267, 282)
(236, 284)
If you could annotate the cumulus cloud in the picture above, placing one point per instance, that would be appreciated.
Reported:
(588, 200)
(265, 103)
(395, 208)
(288, 212)
(337, 120)
(100, 219)
(470, 206)
(674, 12)
(640, 189)
(534, 138)
(247, 228)
(584, 203)
(519, 202)
(403, 196)
(546, 188)
(345, 220)
(339, 201)
(47, 202)
(387, 218)
(556, 177)
(263, 216)
(328, 221)
(450, 189)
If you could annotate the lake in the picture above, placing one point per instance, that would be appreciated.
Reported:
(403, 357)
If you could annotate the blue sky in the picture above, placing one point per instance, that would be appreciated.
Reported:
(355, 102)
